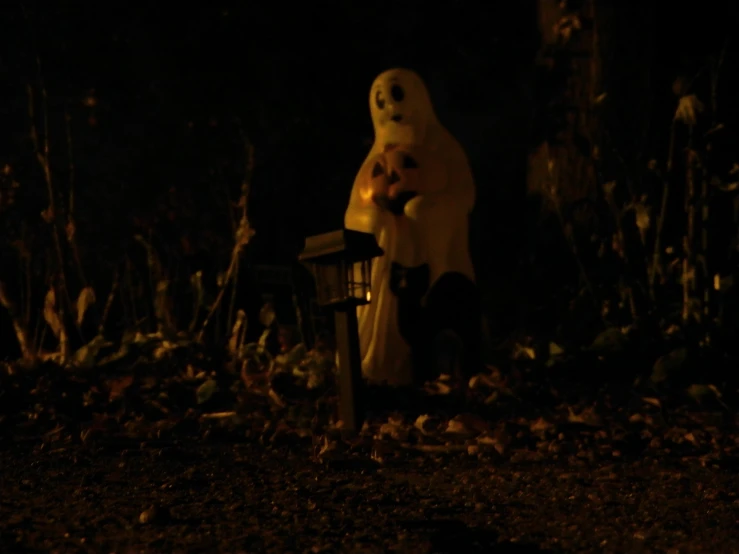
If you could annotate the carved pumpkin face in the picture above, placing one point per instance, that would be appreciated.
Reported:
(394, 180)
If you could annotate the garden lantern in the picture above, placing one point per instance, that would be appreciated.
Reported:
(341, 262)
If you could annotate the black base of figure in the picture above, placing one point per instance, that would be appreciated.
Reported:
(445, 334)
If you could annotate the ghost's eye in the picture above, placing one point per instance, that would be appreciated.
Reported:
(397, 93)
(379, 100)
(409, 162)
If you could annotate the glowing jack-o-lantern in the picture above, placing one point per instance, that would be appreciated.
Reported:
(399, 174)
(394, 180)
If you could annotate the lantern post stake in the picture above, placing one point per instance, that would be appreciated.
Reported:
(332, 257)
(351, 405)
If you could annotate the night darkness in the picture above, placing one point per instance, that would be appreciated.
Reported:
(170, 87)
(149, 112)
(175, 91)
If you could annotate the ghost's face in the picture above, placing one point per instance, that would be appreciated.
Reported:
(401, 108)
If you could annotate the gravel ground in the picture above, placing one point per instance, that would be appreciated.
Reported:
(197, 497)
(162, 457)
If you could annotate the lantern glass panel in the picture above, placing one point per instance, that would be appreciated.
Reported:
(358, 281)
(331, 283)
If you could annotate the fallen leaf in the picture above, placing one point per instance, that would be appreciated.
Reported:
(668, 364)
(521, 352)
(555, 350)
(540, 425)
(688, 109)
(86, 355)
(206, 391)
(84, 301)
(117, 387)
(426, 424)
(609, 341)
(587, 416)
(50, 314)
(653, 401)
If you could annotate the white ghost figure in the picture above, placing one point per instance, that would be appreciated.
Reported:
(433, 226)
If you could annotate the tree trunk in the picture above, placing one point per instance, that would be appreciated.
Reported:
(561, 165)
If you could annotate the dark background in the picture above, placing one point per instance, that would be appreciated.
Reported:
(159, 98)
(170, 85)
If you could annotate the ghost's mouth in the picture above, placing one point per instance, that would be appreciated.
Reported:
(397, 118)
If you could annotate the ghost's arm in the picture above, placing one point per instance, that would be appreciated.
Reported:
(457, 196)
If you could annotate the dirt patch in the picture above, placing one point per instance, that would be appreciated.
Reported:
(195, 497)
(162, 459)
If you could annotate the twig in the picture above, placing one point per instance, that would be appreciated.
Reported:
(234, 288)
(688, 274)
(159, 286)
(217, 415)
(714, 81)
(42, 155)
(26, 296)
(70, 227)
(108, 302)
(229, 275)
(21, 333)
(241, 238)
(70, 157)
(576, 255)
(245, 188)
(129, 282)
(656, 256)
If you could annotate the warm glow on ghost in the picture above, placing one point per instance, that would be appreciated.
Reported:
(414, 192)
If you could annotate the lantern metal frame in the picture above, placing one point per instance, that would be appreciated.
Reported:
(341, 263)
